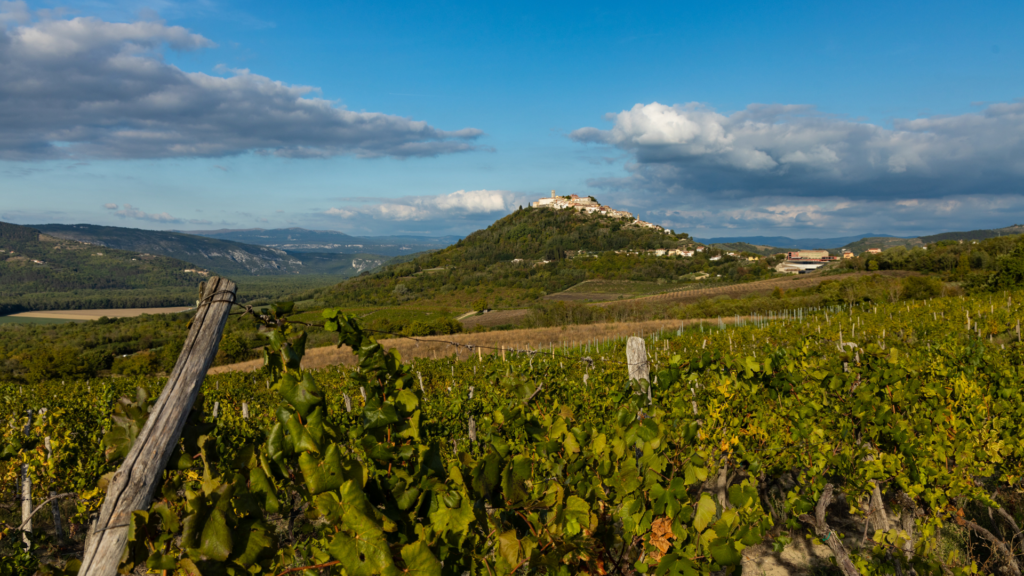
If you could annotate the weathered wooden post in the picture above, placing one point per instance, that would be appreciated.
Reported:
(132, 485)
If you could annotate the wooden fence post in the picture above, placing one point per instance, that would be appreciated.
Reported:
(132, 485)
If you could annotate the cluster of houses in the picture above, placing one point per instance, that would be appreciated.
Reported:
(804, 261)
(590, 205)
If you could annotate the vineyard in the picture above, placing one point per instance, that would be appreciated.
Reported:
(890, 433)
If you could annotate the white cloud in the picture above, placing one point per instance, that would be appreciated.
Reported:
(84, 87)
(130, 211)
(339, 212)
(797, 151)
(110, 206)
(14, 13)
(459, 204)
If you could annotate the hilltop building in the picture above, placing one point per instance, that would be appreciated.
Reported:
(804, 261)
(590, 205)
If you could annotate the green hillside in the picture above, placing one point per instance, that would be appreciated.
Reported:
(758, 249)
(975, 234)
(533, 252)
(225, 257)
(40, 272)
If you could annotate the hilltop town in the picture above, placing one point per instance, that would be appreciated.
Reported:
(590, 205)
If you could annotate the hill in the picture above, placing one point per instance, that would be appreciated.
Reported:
(883, 243)
(42, 272)
(751, 248)
(300, 239)
(225, 257)
(533, 252)
(793, 243)
(975, 234)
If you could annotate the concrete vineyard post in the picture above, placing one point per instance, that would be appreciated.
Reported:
(132, 485)
(26, 493)
(58, 529)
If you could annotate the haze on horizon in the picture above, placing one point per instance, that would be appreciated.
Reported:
(734, 119)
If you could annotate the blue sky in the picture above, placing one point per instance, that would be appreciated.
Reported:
(807, 120)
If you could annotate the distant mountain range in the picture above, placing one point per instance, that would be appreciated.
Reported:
(796, 243)
(300, 239)
(226, 257)
(856, 244)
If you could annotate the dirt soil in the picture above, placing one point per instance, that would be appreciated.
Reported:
(801, 557)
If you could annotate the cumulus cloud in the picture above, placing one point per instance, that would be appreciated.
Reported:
(87, 88)
(794, 150)
(110, 206)
(459, 204)
(14, 13)
(130, 211)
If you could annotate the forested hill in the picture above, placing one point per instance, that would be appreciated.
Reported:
(223, 256)
(532, 252)
(40, 272)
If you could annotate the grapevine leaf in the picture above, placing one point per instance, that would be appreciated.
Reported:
(705, 512)
(420, 561)
(302, 395)
(260, 485)
(378, 414)
(577, 515)
(323, 474)
(508, 547)
(455, 518)
(513, 479)
(407, 401)
(215, 542)
(254, 542)
(724, 552)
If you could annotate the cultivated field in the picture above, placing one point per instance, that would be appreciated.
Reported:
(760, 287)
(439, 346)
(97, 314)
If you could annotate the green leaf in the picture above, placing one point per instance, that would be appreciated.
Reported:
(322, 474)
(455, 519)
(406, 401)
(261, 486)
(724, 552)
(255, 541)
(626, 479)
(301, 438)
(508, 547)
(377, 414)
(215, 542)
(302, 395)
(420, 561)
(513, 479)
(577, 515)
(705, 512)
(366, 552)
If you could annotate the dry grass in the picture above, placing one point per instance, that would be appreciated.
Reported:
(490, 343)
(97, 314)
